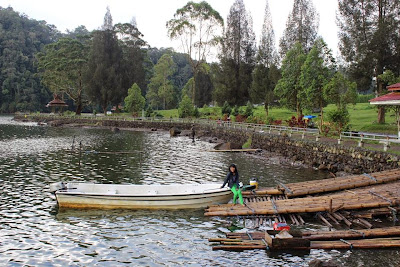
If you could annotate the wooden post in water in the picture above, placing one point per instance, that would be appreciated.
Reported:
(80, 152)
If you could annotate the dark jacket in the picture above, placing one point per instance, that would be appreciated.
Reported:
(231, 179)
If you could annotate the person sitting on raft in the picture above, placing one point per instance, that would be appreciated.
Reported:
(232, 179)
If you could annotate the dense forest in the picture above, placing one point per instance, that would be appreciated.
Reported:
(114, 65)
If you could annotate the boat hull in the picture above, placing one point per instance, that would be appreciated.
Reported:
(179, 200)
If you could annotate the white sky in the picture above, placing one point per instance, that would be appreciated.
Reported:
(152, 15)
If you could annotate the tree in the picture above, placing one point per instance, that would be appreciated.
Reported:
(237, 57)
(134, 102)
(20, 39)
(265, 75)
(289, 88)
(267, 55)
(132, 46)
(197, 26)
(186, 108)
(204, 86)
(340, 91)
(160, 88)
(104, 67)
(315, 73)
(63, 64)
(369, 41)
(389, 78)
(301, 26)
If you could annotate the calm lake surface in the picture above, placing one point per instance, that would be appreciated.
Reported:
(33, 232)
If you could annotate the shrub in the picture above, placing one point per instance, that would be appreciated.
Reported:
(226, 109)
(240, 118)
(149, 112)
(196, 113)
(339, 118)
(186, 108)
(235, 110)
(249, 109)
(296, 122)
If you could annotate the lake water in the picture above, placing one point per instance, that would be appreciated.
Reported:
(33, 232)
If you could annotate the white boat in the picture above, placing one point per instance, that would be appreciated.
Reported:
(120, 196)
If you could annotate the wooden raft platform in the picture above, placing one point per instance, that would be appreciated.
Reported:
(362, 198)
(349, 239)
(327, 185)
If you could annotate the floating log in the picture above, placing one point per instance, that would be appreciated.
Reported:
(357, 244)
(235, 150)
(340, 183)
(388, 237)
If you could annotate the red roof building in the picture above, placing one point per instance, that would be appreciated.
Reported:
(391, 99)
(394, 87)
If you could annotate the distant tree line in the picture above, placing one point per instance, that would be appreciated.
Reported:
(110, 66)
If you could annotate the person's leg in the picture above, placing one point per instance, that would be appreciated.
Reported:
(235, 193)
(239, 192)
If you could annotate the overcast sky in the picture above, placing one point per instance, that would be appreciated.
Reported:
(152, 15)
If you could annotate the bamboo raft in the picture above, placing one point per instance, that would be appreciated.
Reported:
(328, 185)
(363, 198)
(350, 239)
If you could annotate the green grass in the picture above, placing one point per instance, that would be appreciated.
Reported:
(363, 116)
(169, 113)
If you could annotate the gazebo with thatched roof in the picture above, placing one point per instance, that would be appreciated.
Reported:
(56, 103)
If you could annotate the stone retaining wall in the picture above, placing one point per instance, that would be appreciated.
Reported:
(324, 156)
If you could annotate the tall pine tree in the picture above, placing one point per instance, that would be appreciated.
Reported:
(301, 26)
(104, 74)
(266, 74)
(237, 58)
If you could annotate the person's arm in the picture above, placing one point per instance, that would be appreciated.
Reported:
(226, 180)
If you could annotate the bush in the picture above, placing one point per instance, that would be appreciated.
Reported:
(249, 109)
(339, 118)
(226, 109)
(235, 110)
(196, 113)
(296, 122)
(240, 118)
(186, 108)
(149, 112)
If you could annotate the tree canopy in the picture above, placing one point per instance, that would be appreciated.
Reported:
(301, 26)
(20, 39)
(197, 26)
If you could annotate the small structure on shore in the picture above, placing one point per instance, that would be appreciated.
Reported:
(390, 99)
(56, 103)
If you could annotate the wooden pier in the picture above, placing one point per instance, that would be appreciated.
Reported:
(376, 197)
(371, 195)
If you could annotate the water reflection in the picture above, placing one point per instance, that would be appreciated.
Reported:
(34, 232)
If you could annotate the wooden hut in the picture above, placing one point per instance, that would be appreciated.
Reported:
(56, 103)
